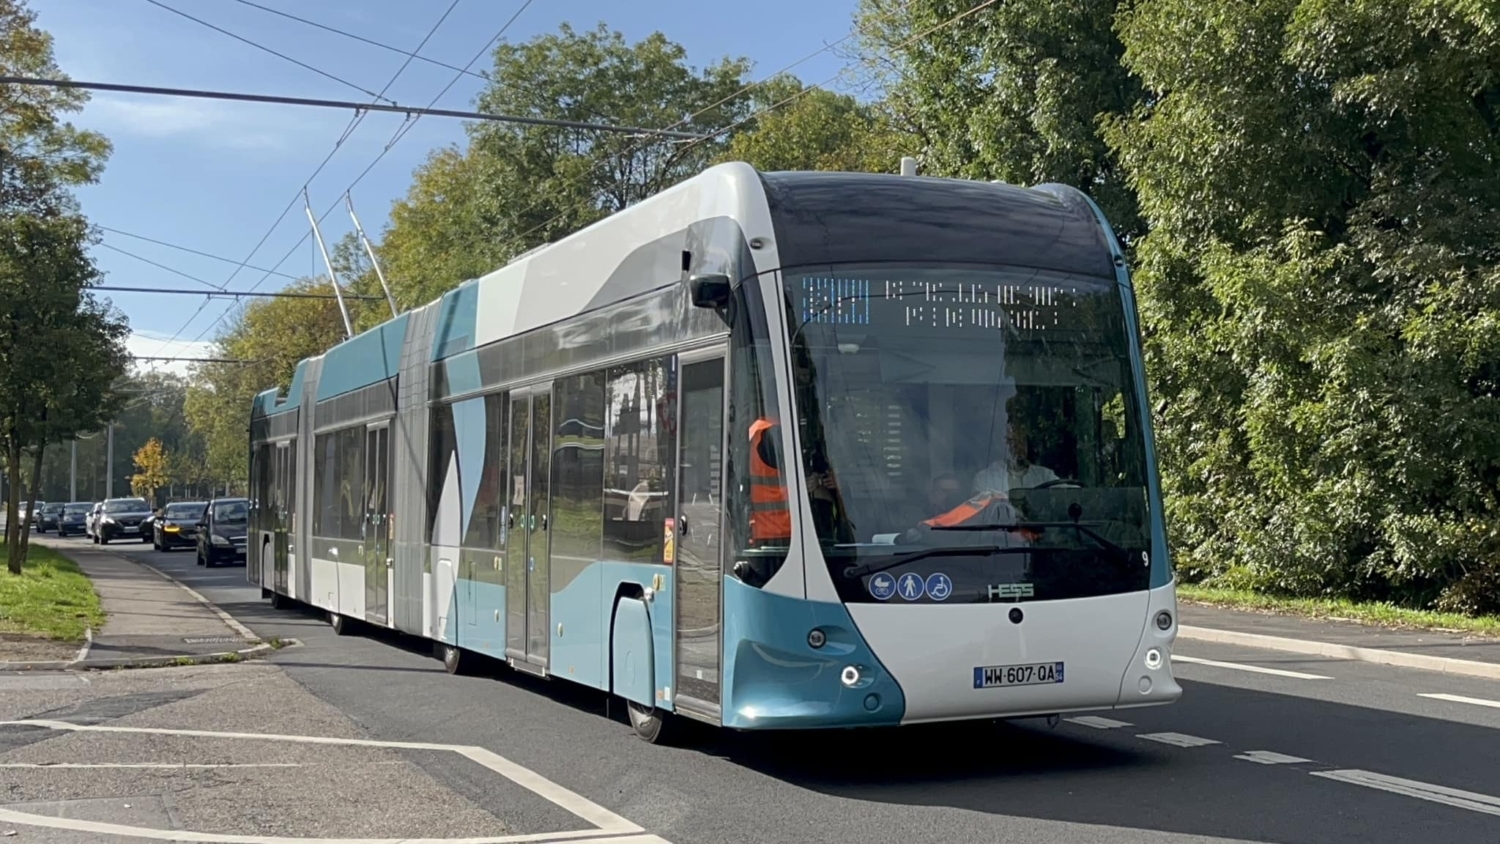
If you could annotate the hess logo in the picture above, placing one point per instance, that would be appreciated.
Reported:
(1011, 591)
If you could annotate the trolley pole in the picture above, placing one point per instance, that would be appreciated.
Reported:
(328, 262)
(370, 250)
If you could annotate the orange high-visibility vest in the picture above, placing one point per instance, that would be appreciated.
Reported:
(964, 512)
(770, 508)
(969, 509)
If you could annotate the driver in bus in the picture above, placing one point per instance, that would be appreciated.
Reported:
(1016, 471)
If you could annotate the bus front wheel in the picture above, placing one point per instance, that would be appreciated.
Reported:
(649, 723)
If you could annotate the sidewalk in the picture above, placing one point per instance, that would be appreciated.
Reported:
(1456, 653)
(149, 618)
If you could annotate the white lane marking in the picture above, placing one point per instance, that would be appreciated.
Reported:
(75, 766)
(586, 836)
(1477, 701)
(605, 821)
(1279, 672)
(1411, 788)
(1097, 723)
(1177, 739)
(1268, 757)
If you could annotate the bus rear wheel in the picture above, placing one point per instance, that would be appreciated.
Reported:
(649, 722)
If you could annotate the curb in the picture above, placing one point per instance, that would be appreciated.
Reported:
(256, 652)
(1378, 656)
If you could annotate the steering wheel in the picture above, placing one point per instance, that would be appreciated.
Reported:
(1059, 482)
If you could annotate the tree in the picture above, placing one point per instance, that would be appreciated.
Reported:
(516, 187)
(816, 130)
(152, 470)
(273, 335)
(60, 350)
(1016, 91)
(1322, 288)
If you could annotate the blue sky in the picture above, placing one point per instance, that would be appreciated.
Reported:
(213, 175)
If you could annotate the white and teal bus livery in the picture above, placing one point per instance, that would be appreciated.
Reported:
(557, 465)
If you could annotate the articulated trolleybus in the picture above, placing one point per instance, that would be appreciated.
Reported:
(767, 450)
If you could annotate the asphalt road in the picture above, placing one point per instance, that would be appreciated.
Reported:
(1318, 751)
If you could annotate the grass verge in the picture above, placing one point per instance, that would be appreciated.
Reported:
(1337, 609)
(51, 598)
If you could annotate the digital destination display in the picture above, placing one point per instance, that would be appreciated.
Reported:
(1024, 307)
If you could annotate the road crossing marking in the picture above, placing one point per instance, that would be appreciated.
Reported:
(1477, 701)
(1268, 757)
(1177, 739)
(1482, 803)
(1097, 723)
(1279, 672)
(607, 826)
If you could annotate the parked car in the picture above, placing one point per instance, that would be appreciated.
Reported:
(74, 518)
(49, 516)
(223, 530)
(120, 518)
(176, 525)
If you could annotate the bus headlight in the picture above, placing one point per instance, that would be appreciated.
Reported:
(817, 639)
(1153, 659)
(850, 676)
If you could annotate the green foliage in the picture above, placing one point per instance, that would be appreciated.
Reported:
(51, 598)
(816, 130)
(516, 187)
(1323, 290)
(1013, 92)
(273, 334)
(61, 351)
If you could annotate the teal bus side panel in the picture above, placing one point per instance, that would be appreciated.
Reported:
(773, 679)
(360, 361)
(480, 611)
(457, 315)
(585, 609)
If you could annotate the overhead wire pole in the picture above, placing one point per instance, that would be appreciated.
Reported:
(333, 278)
(370, 250)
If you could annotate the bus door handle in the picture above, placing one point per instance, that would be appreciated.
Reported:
(544, 521)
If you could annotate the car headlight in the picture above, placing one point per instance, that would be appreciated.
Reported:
(219, 540)
(106, 520)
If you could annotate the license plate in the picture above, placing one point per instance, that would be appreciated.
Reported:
(131, 529)
(1035, 674)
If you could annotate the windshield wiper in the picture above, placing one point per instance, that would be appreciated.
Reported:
(1104, 543)
(950, 551)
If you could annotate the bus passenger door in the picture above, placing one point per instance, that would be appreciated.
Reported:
(527, 553)
(281, 466)
(698, 534)
(377, 522)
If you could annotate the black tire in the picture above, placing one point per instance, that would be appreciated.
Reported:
(280, 601)
(145, 539)
(455, 661)
(342, 625)
(104, 539)
(651, 724)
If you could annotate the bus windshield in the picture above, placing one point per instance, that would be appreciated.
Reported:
(969, 434)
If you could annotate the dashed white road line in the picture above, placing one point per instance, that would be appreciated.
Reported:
(1411, 788)
(1477, 701)
(609, 827)
(1237, 666)
(1268, 757)
(1177, 739)
(1097, 723)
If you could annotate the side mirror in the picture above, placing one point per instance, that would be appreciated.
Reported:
(709, 291)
